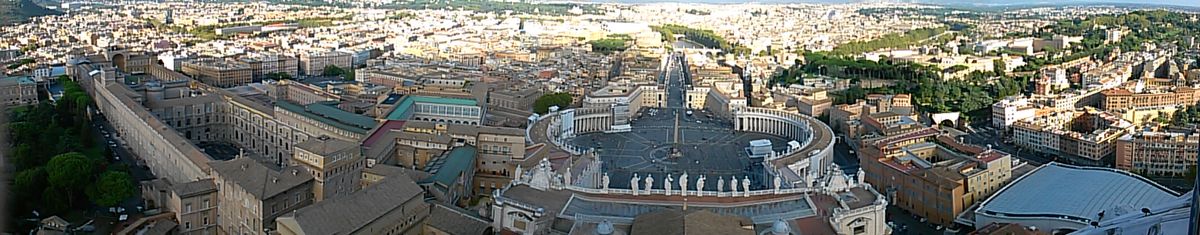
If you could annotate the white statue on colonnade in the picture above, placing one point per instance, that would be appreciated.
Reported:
(683, 179)
(667, 184)
(720, 184)
(633, 183)
(746, 185)
(649, 183)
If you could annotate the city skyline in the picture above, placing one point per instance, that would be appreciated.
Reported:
(480, 117)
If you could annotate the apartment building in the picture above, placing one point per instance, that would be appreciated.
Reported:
(252, 195)
(300, 93)
(512, 101)
(933, 176)
(324, 118)
(263, 66)
(1124, 99)
(1083, 136)
(814, 102)
(1167, 152)
(194, 203)
(1009, 110)
(396, 206)
(16, 91)
(878, 113)
(500, 150)
(314, 63)
(218, 72)
(418, 144)
(336, 166)
(437, 109)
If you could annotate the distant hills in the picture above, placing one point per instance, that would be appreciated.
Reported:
(17, 11)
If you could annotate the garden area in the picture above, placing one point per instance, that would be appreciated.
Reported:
(61, 167)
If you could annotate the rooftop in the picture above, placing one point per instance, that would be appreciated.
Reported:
(23, 80)
(406, 103)
(195, 187)
(326, 112)
(258, 180)
(1078, 193)
(324, 145)
(454, 220)
(351, 213)
(674, 221)
(446, 169)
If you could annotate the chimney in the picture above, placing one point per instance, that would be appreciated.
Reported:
(295, 171)
(275, 180)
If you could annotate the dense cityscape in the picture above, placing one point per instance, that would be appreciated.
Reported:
(517, 117)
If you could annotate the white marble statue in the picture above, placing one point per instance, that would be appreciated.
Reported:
(746, 185)
(683, 179)
(667, 184)
(604, 182)
(649, 184)
(720, 184)
(777, 184)
(633, 184)
(519, 173)
(567, 177)
(700, 186)
(860, 177)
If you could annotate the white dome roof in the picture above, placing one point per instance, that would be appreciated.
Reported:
(780, 228)
(604, 228)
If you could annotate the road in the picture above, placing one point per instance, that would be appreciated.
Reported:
(121, 154)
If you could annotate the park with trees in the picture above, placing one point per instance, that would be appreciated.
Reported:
(892, 40)
(61, 167)
(611, 43)
(335, 71)
(542, 104)
(704, 37)
(931, 93)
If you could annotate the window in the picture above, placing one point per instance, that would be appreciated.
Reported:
(187, 208)
(860, 229)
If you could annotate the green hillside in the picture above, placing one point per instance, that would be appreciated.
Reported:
(17, 11)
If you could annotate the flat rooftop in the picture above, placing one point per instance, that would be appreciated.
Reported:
(1077, 193)
(405, 104)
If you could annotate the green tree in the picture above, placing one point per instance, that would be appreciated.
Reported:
(1162, 118)
(70, 172)
(28, 184)
(333, 70)
(111, 188)
(348, 75)
(54, 201)
(542, 104)
(279, 76)
(999, 67)
(25, 158)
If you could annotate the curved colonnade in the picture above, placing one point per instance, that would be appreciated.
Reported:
(800, 165)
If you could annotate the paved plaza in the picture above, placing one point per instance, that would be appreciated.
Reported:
(707, 145)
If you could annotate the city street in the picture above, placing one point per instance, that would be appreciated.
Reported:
(104, 220)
